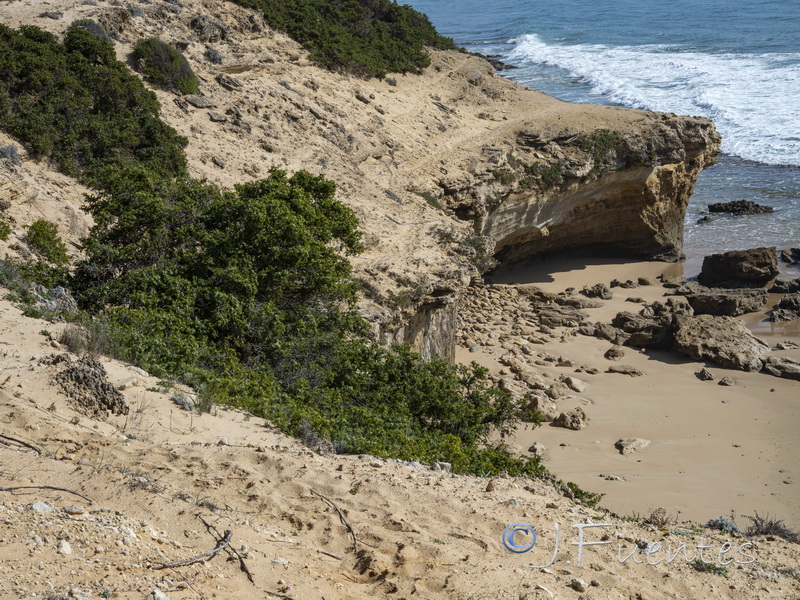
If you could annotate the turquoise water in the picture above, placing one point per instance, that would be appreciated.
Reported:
(738, 63)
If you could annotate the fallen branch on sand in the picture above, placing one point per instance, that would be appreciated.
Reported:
(182, 563)
(341, 517)
(44, 487)
(4, 439)
(230, 549)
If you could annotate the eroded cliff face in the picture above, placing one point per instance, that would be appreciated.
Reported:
(559, 190)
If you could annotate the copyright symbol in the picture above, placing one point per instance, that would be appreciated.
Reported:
(509, 542)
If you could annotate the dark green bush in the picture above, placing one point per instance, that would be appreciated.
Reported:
(77, 105)
(368, 38)
(92, 27)
(5, 230)
(243, 294)
(42, 236)
(164, 66)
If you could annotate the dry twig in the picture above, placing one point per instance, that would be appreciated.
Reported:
(4, 439)
(44, 487)
(230, 549)
(341, 517)
(182, 563)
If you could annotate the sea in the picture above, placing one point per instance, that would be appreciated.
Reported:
(736, 62)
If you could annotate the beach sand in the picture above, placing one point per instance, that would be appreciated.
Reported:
(715, 450)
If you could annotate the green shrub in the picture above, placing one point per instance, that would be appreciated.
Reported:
(92, 27)
(77, 105)
(591, 499)
(368, 38)
(5, 231)
(242, 295)
(704, 567)
(164, 66)
(42, 236)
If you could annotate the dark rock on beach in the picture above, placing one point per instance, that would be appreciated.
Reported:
(788, 309)
(650, 332)
(739, 207)
(722, 301)
(599, 290)
(740, 268)
(791, 256)
(785, 286)
(783, 367)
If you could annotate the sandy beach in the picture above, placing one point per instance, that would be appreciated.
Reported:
(715, 450)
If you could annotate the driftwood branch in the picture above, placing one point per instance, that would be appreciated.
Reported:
(329, 554)
(341, 518)
(4, 439)
(44, 487)
(229, 549)
(182, 563)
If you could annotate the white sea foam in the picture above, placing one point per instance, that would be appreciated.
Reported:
(754, 99)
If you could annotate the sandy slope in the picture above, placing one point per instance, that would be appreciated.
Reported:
(420, 533)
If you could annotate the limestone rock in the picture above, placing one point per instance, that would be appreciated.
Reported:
(785, 286)
(727, 381)
(705, 375)
(740, 268)
(574, 419)
(542, 403)
(614, 353)
(788, 309)
(579, 585)
(85, 381)
(208, 29)
(58, 299)
(537, 449)
(561, 316)
(642, 331)
(722, 340)
(791, 256)
(575, 384)
(229, 82)
(577, 302)
(630, 445)
(199, 101)
(599, 290)
(721, 301)
(625, 370)
(783, 367)
(41, 507)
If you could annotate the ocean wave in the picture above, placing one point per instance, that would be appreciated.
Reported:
(751, 97)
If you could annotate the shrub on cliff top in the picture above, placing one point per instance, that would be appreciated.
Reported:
(368, 38)
(164, 66)
(77, 105)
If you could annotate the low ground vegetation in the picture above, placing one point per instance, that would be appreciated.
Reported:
(368, 38)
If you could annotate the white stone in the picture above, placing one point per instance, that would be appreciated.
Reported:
(630, 445)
